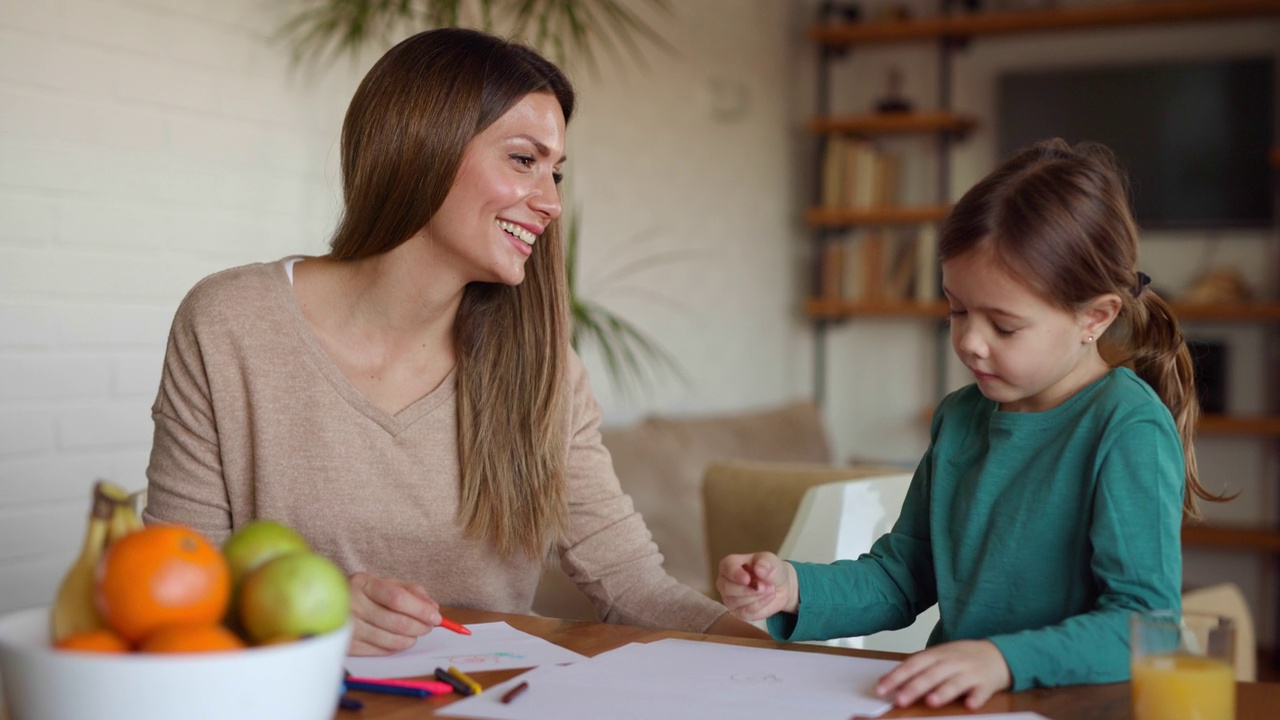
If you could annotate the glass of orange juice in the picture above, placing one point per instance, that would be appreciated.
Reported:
(1182, 666)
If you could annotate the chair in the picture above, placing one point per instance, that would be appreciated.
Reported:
(841, 520)
(754, 506)
(1226, 599)
(749, 506)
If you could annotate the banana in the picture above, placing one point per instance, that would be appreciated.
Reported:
(124, 516)
(73, 607)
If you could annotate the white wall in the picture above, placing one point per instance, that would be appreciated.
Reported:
(147, 143)
(882, 372)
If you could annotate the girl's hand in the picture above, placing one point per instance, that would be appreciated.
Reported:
(389, 614)
(757, 586)
(972, 669)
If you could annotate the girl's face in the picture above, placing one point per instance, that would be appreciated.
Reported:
(1025, 353)
(505, 194)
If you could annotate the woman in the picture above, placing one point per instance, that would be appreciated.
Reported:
(409, 402)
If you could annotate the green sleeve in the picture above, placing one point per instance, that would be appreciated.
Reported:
(882, 590)
(1136, 563)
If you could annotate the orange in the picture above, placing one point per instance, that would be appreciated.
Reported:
(158, 576)
(190, 638)
(103, 641)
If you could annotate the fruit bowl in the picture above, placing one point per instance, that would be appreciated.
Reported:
(290, 681)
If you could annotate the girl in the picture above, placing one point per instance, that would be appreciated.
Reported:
(1048, 505)
(409, 401)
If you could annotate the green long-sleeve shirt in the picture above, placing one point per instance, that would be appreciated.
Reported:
(1039, 531)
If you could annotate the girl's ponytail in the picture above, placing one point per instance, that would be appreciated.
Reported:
(1157, 351)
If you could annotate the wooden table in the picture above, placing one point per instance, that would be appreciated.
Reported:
(1255, 701)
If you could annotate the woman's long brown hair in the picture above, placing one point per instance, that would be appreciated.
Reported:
(1058, 216)
(403, 138)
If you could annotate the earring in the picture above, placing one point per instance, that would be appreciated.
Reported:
(1090, 339)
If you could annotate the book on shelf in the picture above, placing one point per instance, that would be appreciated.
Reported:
(876, 265)
(868, 263)
(858, 175)
(928, 279)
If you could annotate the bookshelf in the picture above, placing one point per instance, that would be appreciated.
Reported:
(948, 33)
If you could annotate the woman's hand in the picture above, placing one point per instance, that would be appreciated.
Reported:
(390, 615)
(757, 586)
(972, 669)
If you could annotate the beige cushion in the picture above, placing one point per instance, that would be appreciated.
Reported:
(660, 462)
(750, 505)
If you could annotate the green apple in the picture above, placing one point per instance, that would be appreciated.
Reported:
(293, 596)
(254, 544)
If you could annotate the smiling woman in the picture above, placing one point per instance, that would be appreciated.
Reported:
(410, 402)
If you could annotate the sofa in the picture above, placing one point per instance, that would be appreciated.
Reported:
(661, 460)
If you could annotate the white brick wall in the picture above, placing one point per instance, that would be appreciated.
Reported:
(147, 143)
(143, 145)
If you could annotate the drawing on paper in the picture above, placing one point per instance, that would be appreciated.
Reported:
(494, 658)
(753, 679)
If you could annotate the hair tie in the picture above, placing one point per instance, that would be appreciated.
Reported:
(1143, 281)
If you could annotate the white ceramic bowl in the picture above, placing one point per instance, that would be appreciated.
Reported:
(294, 681)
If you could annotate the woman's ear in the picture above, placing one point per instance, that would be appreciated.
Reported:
(1098, 314)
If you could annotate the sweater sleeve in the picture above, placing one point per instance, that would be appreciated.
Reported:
(606, 549)
(184, 475)
(1136, 563)
(884, 589)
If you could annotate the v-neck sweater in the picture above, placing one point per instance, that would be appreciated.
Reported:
(253, 419)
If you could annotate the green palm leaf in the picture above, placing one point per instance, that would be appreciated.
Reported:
(565, 30)
(632, 359)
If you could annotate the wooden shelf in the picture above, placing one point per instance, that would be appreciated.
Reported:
(1031, 21)
(1228, 312)
(892, 215)
(1239, 425)
(897, 123)
(1262, 539)
(837, 309)
(1215, 424)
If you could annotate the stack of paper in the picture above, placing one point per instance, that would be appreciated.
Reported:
(683, 679)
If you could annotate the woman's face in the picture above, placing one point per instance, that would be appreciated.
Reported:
(505, 194)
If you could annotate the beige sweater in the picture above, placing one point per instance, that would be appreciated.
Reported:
(253, 420)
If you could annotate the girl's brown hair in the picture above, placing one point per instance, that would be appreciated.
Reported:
(403, 138)
(1058, 216)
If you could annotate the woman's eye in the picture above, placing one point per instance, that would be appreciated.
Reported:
(525, 160)
(1002, 331)
(556, 177)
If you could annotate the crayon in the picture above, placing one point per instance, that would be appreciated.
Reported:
(514, 692)
(432, 686)
(388, 689)
(456, 683)
(475, 686)
(448, 624)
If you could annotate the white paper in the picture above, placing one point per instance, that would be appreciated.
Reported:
(998, 716)
(690, 680)
(490, 646)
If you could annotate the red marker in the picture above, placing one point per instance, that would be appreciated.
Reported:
(448, 624)
(434, 687)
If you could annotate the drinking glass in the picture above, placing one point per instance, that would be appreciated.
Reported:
(1182, 666)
